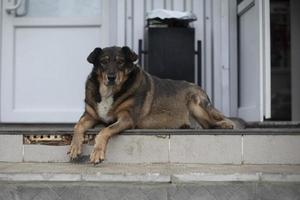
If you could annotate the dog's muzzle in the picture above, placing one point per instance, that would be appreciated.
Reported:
(111, 79)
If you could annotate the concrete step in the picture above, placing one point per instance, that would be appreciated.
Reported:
(256, 144)
(147, 173)
(148, 181)
(261, 161)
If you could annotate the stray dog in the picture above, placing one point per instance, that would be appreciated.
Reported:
(121, 95)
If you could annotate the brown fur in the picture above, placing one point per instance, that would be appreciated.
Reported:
(139, 101)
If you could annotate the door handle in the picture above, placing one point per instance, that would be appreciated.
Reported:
(14, 7)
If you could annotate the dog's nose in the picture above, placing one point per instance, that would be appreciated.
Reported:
(111, 78)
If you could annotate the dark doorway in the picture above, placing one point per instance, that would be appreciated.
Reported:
(280, 60)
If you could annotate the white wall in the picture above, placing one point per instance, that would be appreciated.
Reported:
(295, 58)
(1, 2)
(224, 56)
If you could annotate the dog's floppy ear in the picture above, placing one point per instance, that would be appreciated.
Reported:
(93, 55)
(129, 54)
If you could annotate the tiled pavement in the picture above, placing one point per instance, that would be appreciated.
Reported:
(117, 191)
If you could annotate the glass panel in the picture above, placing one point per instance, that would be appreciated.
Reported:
(61, 8)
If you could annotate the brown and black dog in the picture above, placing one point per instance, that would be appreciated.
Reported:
(121, 94)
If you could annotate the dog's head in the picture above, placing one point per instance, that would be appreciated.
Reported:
(112, 64)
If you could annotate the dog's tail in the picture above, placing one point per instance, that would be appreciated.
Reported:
(221, 121)
(206, 104)
(215, 114)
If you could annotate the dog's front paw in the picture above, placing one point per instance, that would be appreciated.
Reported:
(75, 147)
(98, 154)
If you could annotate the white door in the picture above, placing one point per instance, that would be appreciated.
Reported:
(43, 58)
(254, 60)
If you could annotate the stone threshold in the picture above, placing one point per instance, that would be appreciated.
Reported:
(265, 128)
(147, 173)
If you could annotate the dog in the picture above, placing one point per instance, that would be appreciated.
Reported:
(121, 95)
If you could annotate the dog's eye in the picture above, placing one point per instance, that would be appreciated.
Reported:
(104, 61)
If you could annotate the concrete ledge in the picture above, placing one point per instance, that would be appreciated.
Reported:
(271, 149)
(11, 148)
(252, 145)
(208, 149)
(148, 173)
(197, 149)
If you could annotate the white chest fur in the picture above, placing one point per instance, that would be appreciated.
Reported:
(103, 108)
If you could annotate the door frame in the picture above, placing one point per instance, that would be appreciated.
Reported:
(295, 60)
(233, 58)
(1, 4)
(265, 54)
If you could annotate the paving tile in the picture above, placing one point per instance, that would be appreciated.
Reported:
(36, 193)
(11, 148)
(87, 191)
(207, 149)
(212, 191)
(7, 192)
(271, 149)
(274, 191)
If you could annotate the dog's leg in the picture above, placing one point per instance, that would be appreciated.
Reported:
(124, 122)
(85, 122)
(200, 115)
(206, 115)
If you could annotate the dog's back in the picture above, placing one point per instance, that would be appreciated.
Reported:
(174, 103)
